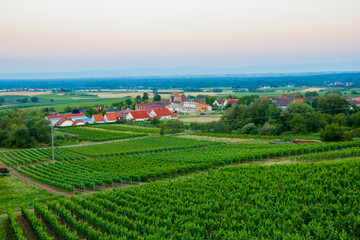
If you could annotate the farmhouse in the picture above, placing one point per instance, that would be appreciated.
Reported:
(200, 100)
(150, 106)
(175, 107)
(231, 100)
(64, 122)
(219, 103)
(192, 107)
(110, 117)
(138, 116)
(162, 113)
(97, 118)
(78, 123)
(75, 116)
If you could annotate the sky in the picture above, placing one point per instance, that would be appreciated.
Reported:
(78, 35)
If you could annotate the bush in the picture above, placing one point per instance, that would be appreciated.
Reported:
(334, 133)
(268, 129)
(250, 128)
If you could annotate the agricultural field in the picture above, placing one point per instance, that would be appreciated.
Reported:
(294, 201)
(14, 193)
(148, 144)
(28, 156)
(90, 134)
(166, 187)
(129, 128)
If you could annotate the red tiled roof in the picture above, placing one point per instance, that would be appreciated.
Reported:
(139, 114)
(161, 112)
(66, 115)
(232, 101)
(77, 121)
(118, 114)
(111, 117)
(200, 100)
(98, 118)
(61, 121)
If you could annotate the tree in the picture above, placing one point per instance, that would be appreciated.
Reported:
(155, 121)
(333, 104)
(2, 100)
(68, 109)
(75, 110)
(340, 119)
(250, 128)
(145, 96)
(51, 100)
(138, 99)
(334, 133)
(34, 99)
(175, 126)
(157, 97)
(128, 102)
(311, 94)
(298, 108)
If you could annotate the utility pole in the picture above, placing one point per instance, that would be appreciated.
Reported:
(52, 142)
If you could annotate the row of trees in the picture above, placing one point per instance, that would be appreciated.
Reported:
(260, 116)
(25, 129)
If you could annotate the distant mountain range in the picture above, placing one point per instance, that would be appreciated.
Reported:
(194, 71)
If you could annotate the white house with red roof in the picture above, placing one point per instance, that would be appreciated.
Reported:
(162, 114)
(97, 118)
(75, 116)
(64, 122)
(138, 116)
(78, 123)
(110, 118)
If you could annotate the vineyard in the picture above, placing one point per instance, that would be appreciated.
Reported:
(146, 165)
(36, 156)
(295, 201)
(343, 153)
(142, 145)
(122, 127)
(69, 175)
(89, 134)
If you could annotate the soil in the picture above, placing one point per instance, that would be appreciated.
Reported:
(200, 119)
(27, 230)
(23, 93)
(312, 89)
(48, 228)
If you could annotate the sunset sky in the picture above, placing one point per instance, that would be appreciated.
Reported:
(74, 35)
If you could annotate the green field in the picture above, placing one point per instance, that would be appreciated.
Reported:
(14, 193)
(294, 201)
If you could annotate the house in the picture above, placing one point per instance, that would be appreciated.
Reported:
(175, 107)
(110, 117)
(64, 122)
(202, 107)
(138, 116)
(200, 100)
(111, 110)
(113, 117)
(219, 103)
(192, 107)
(97, 118)
(231, 100)
(282, 102)
(184, 98)
(150, 106)
(119, 115)
(75, 116)
(175, 97)
(78, 123)
(162, 113)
